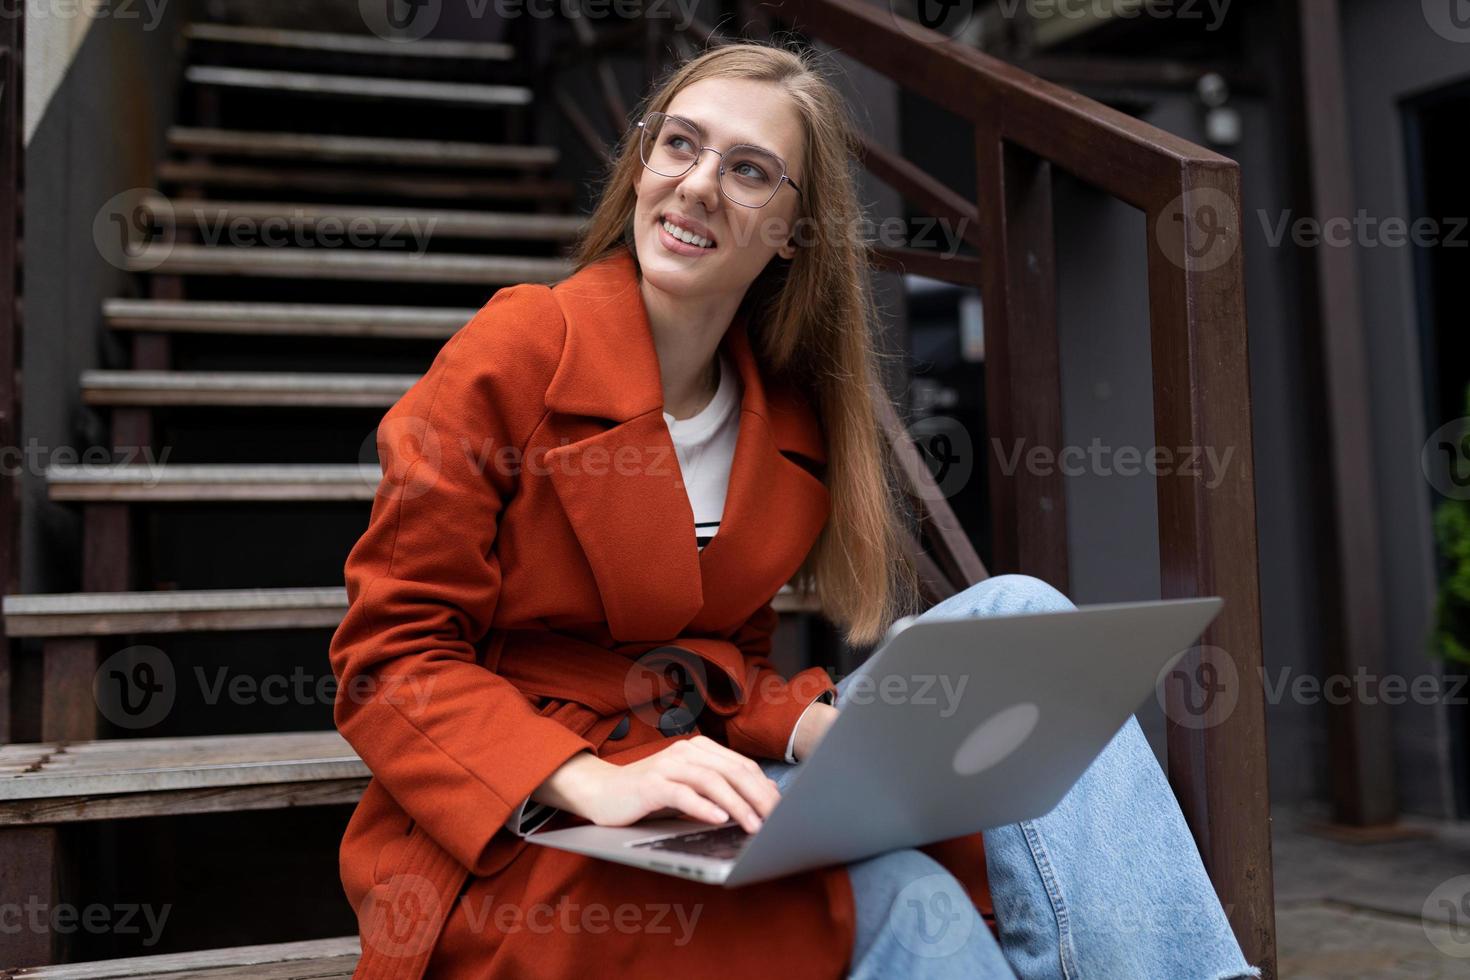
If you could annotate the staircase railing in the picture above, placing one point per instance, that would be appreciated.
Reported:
(1190, 196)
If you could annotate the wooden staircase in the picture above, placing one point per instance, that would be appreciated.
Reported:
(319, 131)
(488, 214)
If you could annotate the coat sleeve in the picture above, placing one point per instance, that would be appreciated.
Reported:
(771, 704)
(455, 744)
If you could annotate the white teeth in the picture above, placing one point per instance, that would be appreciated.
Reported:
(686, 236)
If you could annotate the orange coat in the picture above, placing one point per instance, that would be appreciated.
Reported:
(522, 553)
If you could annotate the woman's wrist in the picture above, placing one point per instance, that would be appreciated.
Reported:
(570, 786)
(811, 727)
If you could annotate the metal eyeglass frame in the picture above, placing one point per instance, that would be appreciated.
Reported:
(721, 181)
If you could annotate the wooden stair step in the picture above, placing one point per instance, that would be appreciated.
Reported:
(107, 779)
(358, 87)
(165, 258)
(158, 483)
(254, 388)
(409, 224)
(360, 149)
(207, 610)
(302, 319)
(338, 43)
(320, 959)
(173, 611)
(383, 184)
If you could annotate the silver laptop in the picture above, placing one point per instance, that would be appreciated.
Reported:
(953, 726)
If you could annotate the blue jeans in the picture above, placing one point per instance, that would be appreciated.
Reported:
(1107, 885)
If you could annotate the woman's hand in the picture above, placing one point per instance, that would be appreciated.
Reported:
(695, 777)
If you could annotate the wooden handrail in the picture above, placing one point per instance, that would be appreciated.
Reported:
(1191, 198)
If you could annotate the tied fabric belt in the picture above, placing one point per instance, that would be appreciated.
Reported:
(667, 684)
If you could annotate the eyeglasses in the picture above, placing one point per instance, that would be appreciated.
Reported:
(749, 175)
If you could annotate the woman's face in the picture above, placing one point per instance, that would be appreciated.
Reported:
(745, 239)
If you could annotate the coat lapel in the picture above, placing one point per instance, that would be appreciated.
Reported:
(621, 487)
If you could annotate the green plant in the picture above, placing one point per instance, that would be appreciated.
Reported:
(1451, 636)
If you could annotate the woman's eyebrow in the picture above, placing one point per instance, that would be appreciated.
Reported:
(704, 133)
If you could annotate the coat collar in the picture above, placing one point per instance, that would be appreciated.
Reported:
(634, 523)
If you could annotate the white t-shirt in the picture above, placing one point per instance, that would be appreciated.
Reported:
(705, 445)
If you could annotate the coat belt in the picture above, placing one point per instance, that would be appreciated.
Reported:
(640, 677)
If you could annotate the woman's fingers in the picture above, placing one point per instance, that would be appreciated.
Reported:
(685, 798)
(743, 772)
(715, 786)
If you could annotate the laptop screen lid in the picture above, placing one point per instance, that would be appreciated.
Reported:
(958, 724)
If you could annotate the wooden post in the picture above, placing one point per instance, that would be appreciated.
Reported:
(1207, 540)
(1023, 385)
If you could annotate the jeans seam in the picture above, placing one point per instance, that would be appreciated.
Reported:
(1065, 956)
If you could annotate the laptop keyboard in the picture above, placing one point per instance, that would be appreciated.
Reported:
(721, 842)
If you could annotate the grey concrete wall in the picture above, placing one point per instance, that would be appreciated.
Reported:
(1106, 371)
(1392, 52)
(99, 135)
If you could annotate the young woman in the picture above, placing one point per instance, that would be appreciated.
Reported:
(561, 609)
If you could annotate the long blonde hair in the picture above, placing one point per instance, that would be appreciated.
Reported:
(813, 321)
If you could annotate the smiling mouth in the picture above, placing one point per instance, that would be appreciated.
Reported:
(666, 224)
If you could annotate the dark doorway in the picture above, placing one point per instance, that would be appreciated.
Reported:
(1437, 144)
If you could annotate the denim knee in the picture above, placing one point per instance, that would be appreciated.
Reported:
(1003, 594)
(905, 893)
